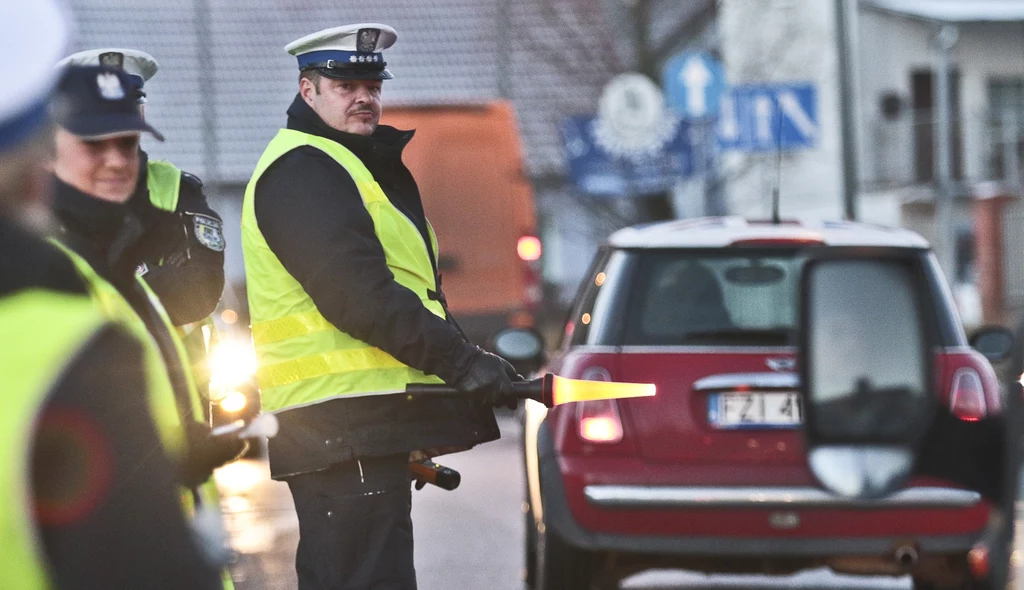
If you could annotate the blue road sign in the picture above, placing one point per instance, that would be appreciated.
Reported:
(694, 82)
(766, 117)
(599, 173)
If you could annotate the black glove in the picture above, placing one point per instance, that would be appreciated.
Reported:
(206, 453)
(511, 402)
(488, 377)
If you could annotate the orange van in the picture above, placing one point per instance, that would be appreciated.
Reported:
(468, 162)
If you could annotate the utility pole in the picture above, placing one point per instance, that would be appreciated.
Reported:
(847, 112)
(207, 95)
(658, 206)
(945, 39)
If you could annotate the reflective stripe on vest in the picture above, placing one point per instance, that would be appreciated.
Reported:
(162, 401)
(43, 332)
(163, 180)
(303, 358)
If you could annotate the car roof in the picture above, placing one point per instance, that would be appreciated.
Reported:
(711, 232)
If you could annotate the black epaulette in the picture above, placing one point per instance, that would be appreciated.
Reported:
(191, 179)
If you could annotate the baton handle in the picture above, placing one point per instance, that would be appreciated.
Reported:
(539, 390)
(443, 477)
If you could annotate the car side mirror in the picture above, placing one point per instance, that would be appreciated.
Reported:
(865, 356)
(994, 343)
(523, 347)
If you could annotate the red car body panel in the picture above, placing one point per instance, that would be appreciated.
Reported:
(667, 441)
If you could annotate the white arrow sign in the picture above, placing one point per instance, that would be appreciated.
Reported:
(696, 77)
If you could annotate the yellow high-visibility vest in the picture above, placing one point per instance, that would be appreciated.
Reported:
(163, 180)
(113, 306)
(43, 333)
(303, 358)
(163, 404)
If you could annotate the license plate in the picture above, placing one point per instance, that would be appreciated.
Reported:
(754, 410)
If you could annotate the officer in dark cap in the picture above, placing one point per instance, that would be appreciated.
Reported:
(347, 309)
(87, 498)
(95, 169)
(182, 251)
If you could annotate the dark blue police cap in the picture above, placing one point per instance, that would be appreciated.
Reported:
(97, 102)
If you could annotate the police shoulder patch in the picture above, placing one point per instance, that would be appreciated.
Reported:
(208, 231)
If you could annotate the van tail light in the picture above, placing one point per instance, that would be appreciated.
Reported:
(599, 422)
(529, 250)
(533, 290)
(967, 395)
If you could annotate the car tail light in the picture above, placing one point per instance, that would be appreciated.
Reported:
(967, 395)
(978, 562)
(599, 422)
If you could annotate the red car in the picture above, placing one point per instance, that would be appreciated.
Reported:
(711, 474)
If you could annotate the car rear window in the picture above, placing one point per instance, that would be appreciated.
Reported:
(740, 296)
(734, 297)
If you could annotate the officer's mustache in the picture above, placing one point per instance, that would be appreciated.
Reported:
(368, 111)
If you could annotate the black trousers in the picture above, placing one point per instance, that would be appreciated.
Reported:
(355, 526)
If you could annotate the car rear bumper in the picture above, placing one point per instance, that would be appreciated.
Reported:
(634, 496)
(639, 500)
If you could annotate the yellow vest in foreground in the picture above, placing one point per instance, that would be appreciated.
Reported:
(113, 306)
(163, 405)
(44, 331)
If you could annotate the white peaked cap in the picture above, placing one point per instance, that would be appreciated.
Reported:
(350, 51)
(135, 62)
(343, 38)
(33, 36)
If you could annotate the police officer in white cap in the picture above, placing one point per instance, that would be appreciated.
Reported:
(347, 310)
(182, 251)
(87, 498)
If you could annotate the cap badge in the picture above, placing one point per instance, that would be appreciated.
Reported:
(366, 40)
(110, 86)
(112, 59)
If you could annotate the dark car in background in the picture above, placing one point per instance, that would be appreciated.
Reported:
(711, 474)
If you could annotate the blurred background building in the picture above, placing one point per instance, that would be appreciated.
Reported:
(864, 108)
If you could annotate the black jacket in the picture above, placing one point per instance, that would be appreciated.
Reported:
(310, 212)
(125, 530)
(186, 272)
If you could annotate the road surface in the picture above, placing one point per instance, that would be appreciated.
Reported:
(468, 539)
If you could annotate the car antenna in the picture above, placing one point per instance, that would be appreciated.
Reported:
(776, 189)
